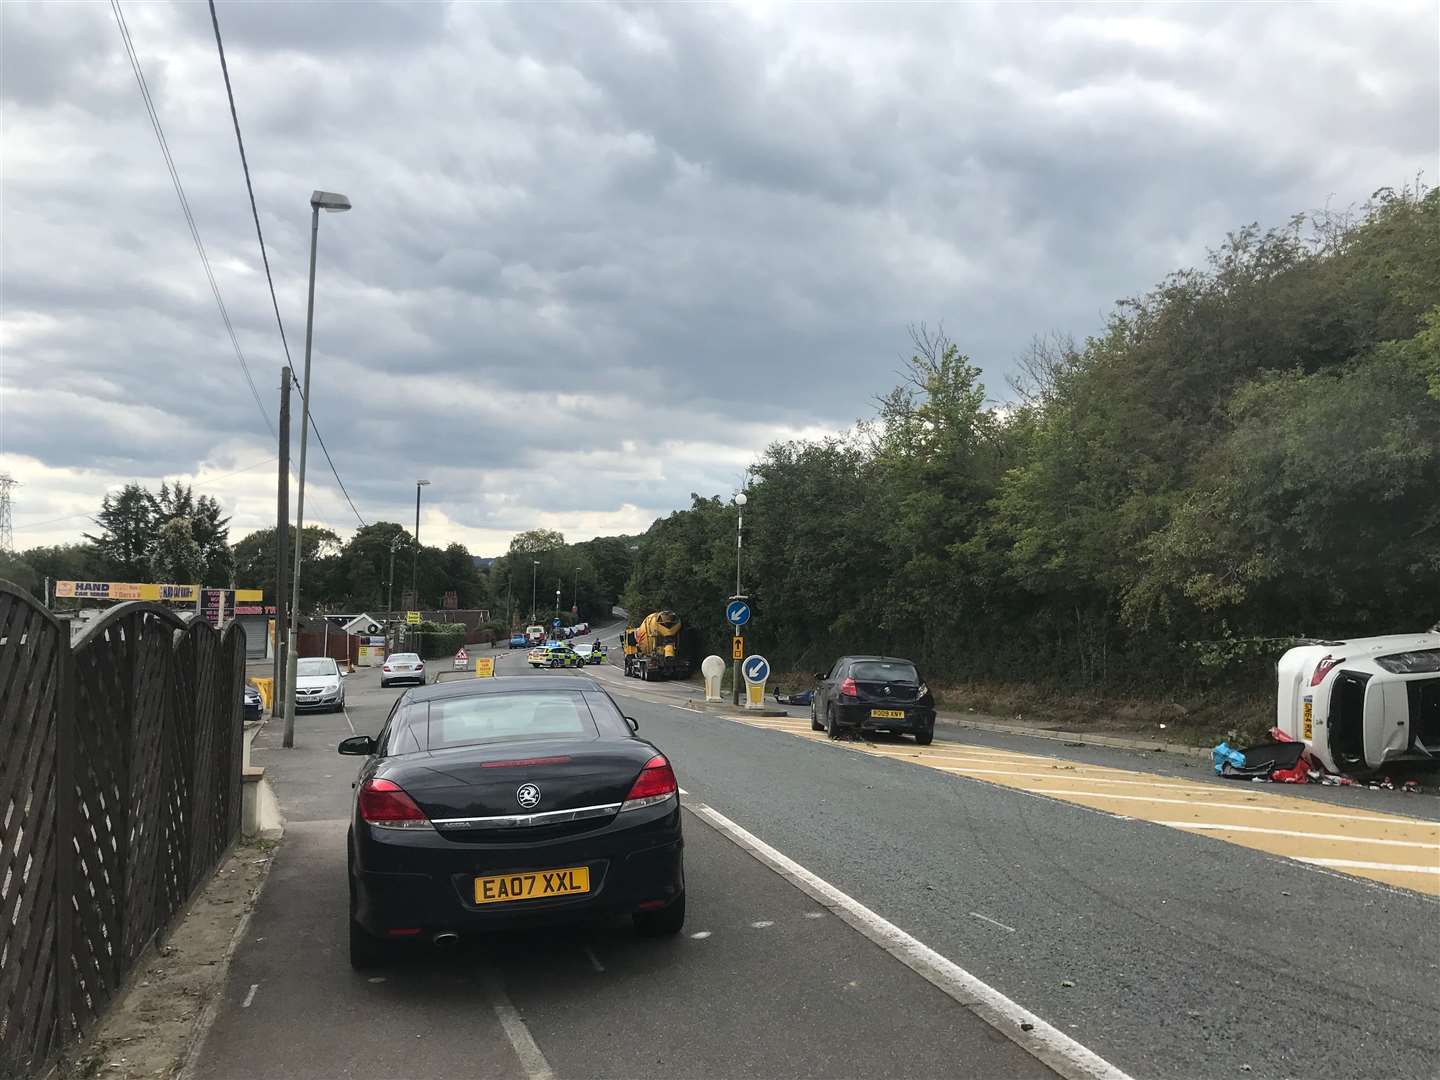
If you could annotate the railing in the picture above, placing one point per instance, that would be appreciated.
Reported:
(120, 767)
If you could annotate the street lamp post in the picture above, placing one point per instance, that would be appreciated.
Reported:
(575, 593)
(333, 203)
(740, 501)
(415, 562)
(534, 572)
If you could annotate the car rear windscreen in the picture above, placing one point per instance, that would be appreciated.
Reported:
(405, 657)
(485, 717)
(901, 671)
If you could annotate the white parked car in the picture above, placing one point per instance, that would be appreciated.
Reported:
(319, 684)
(1362, 703)
(402, 667)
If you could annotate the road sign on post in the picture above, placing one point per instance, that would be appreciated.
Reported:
(713, 668)
(485, 667)
(737, 648)
(756, 670)
(412, 618)
(462, 659)
(737, 613)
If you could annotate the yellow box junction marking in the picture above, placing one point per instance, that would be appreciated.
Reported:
(1388, 848)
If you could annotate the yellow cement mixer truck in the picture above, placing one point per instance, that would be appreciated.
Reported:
(653, 649)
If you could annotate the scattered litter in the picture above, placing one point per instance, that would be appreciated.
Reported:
(1411, 786)
(1066, 982)
(1025, 1025)
(1244, 1068)
(1387, 784)
(1162, 727)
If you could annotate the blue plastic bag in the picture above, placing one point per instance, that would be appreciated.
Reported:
(1223, 755)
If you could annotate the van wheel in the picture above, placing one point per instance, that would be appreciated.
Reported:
(925, 738)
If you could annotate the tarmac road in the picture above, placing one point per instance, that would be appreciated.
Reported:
(1165, 952)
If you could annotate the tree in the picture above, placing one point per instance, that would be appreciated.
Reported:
(209, 528)
(127, 529)
(65, 562)
(536, 540)
(15, 569)
(254, 556)
(176, 556)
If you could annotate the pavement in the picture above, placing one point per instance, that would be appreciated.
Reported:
(1165, 950)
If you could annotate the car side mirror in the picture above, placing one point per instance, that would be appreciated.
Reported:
(358, 745)
(822, 675)
(633, 724)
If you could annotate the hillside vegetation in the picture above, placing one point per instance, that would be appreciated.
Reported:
(1249, 453)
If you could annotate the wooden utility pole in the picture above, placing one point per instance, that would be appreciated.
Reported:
(282, 546)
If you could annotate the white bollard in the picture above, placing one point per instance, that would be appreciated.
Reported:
(713, 668)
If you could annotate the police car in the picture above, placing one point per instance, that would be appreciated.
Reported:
(554, 655)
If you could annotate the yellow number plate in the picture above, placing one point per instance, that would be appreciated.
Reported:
(888, 714)
(1308, 720)
(503, 888)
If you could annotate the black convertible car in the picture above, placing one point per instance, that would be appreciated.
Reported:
(493, 803)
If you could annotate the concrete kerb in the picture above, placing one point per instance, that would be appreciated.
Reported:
(1117, 742)
(724, 708)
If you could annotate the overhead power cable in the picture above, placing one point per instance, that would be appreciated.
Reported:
(185, 204)
(265, 258)
(321, 440)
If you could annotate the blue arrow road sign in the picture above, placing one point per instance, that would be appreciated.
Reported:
(737, 613)
(756, 668)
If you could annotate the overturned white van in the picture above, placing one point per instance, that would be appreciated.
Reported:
(1362, 703)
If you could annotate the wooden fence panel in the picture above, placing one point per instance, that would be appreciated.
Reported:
(33, 652)
(119, 792)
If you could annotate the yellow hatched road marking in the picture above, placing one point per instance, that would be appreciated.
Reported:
(1387, 848)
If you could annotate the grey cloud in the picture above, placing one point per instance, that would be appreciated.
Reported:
(586, 224)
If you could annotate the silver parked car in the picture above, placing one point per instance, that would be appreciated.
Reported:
(319, 684)
(403, 667)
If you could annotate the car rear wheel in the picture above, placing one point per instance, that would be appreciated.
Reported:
(815, 724)
(663, 923)
(830, 721)
(926, 737)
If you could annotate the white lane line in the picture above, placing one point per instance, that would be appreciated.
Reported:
(1049, 1044)
(346, 713)
(594, 960)
(686, 708)
(531, 1059)
(700, 935)
(1212, 826)
(762, 924)
(250, 996)
(1254, 807)
(1355, 864)
(993, 922)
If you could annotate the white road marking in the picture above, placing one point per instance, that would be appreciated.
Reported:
(993, 922)
(686, 708)
(1052, 1046)
(1219, 827)
(762, 924)
(682, 791)
(250, 996)
(814, 914)
(346, 713)
(594, 960)
(531, 1059)
(700, 935)
(1255, 807)
(1355, 864)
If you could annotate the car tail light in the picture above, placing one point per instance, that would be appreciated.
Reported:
(848, 689)
(1323, 668)
(655, 784)
(386, 804)
(385, 668)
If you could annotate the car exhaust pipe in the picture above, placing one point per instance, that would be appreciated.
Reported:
(446, 939)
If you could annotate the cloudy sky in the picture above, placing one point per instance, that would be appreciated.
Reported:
(600, 254)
